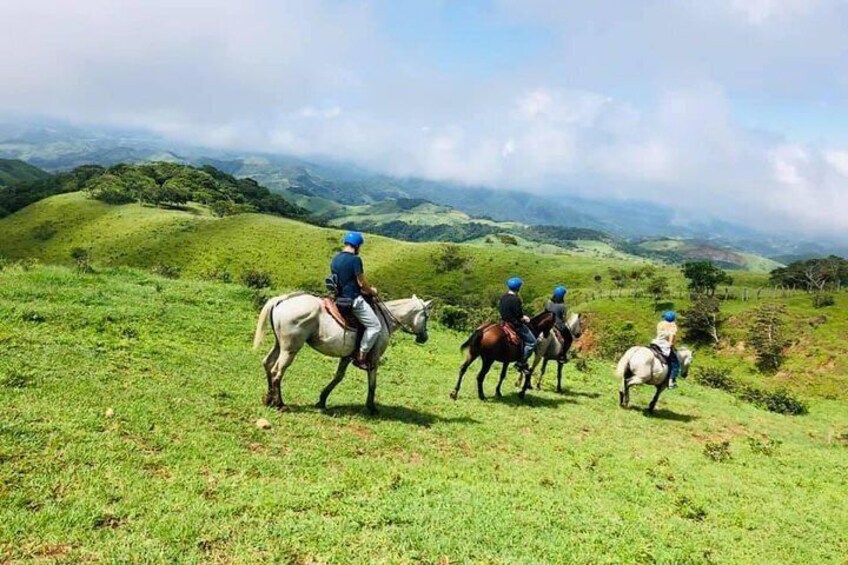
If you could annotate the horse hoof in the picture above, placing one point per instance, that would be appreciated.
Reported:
(481, 397)
(282, 408)
(372, 410)
(453, 395)
(321, 405)
(521, 395)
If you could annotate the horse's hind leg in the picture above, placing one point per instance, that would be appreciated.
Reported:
(372, 389)
(269, 362)
(653, 403)
(541, 374)
(468, 361)
(284, 360)
(501, 380)
(481, 376)
(340, 374)
(559, 376)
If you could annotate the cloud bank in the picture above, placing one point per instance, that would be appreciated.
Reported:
(706, 106)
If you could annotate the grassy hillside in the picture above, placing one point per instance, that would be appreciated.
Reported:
(14, 170)
(296, 254)
(128, 435)
(677, 250)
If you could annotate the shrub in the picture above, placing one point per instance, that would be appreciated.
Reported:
(450, 258)
(779, 401)
(765, 335)
(82, 259)
(764, 447)
(823, 299)
(219, 274)
(718, 450)
(44, 231)
(454, 317)
(617, 340)
(256, 279)
(702, 319)
(715, 377)
(167, 271)
(507, 239)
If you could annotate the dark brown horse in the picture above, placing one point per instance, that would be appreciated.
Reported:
(490, 343)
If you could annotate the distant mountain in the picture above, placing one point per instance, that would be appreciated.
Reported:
(326, 187)
(15, 170)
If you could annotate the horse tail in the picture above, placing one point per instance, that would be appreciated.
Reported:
(475, 336)
(623, 369)
(264, 316)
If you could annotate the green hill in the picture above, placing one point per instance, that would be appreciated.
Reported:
(128, 434)
(13, 171)
(296, 254)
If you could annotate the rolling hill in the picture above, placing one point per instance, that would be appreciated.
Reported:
(14, 171)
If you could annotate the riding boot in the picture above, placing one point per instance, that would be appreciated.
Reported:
(360, 361)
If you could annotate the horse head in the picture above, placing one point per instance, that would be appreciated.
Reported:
(542, 323)
(685, 356)
(575, 325)
(415, 319)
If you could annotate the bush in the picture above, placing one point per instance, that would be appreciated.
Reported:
(450, 258)
(219, 274)
(167, 271)
(779, 401)
(823, 299)
(702, 319)
(715, 377)
(507, 239)
(766, 336)
(44, 231)
(256, 279)
(718, 450)
(764, 447)
(616, 341)
(82, 259)
(454, 317)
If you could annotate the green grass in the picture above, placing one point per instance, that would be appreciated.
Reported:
(180, 473)
(14, 170)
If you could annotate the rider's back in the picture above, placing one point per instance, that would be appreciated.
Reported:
(510, 309)
(346, 267)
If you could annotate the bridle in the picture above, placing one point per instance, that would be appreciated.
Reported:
(387, 313)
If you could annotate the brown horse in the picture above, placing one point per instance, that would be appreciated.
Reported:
(491, 344)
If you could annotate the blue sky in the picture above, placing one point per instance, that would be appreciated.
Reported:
(731, 108)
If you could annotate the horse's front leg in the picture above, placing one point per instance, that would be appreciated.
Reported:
(481, 376)
(340, 374)
(372, 389)
(541, 373)
(468, 360)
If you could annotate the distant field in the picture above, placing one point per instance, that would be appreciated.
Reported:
(180, 473)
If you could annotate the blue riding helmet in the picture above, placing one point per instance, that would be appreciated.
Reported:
(354, 238)
(669, 316)
(514, 283)
(560, 291)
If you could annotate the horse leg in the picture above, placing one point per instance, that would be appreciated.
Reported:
(340, 374)
(541, 374)
(501, 380)
(269, 362)
(468, 361)
(372, 389)
(653, 403)
(559, 376)
(284, 360)
(624, 393)
(481, 376)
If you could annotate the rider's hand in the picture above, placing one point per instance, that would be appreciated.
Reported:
(374, 291)
(526, 319)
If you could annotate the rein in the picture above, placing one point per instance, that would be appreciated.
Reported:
(386, 311)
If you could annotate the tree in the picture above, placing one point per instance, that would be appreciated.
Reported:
(450, 258)
(82, 259)
(657, 287)
(702, 319)
(704, 277)
(766, 336)
(619, 277)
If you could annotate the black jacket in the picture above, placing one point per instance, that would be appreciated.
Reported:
(511, 309)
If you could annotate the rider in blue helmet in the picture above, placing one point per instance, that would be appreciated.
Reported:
(666, 336)
(556, 305)
(512, 312)
(351, 290)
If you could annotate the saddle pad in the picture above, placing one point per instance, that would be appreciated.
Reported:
(655, 349)
(344, 320)
(510, 333)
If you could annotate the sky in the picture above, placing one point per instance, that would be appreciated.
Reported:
(736, 109)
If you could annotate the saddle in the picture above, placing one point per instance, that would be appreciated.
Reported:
(344, 317)
(655, 349)
(510, 333)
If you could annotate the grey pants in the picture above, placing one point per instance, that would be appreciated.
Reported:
(368, 318)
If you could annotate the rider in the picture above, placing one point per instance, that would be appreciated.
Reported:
(347, 267)
(666, 335)
(513, 313)
(556, 306)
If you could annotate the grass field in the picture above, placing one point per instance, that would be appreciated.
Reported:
(128, 434)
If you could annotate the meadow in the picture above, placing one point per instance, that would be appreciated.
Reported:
(128, 434)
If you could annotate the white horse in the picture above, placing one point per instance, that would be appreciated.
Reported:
(549, 348)
(640, 366)
(300, 318)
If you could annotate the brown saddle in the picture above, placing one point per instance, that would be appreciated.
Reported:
(655, 349)
(345, 318)
(510, 333)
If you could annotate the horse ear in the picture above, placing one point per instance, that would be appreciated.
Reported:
(415, 297)
(427, 304)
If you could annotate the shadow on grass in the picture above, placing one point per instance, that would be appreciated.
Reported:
(401, 414)
(663, 414)
(568, 392)
(530, 400)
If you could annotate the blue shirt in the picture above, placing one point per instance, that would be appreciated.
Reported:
(346, 266)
